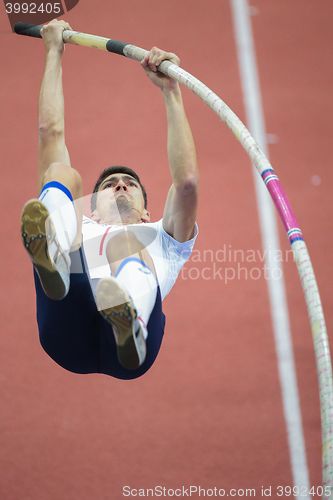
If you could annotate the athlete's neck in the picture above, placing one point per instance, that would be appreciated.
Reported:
(126, 217)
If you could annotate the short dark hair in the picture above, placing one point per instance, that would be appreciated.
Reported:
(117, 169)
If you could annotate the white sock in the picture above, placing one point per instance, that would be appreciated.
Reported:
(59, 202)
(140, 282)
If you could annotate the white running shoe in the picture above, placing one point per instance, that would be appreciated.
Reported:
(52, 264)
(117, 308)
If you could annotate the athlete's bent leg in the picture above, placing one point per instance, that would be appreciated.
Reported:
(127, 299)
(65, 177)
(51, 228)
(132, 265)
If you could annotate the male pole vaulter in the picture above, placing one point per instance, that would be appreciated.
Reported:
(109, 318)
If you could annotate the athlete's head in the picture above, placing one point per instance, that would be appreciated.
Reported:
(119, 188)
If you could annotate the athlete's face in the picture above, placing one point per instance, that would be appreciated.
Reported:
(121, 194)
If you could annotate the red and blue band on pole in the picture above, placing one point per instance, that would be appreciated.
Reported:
(273, 184)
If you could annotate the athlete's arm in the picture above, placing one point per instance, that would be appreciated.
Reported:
(181, 205)
(52, 147)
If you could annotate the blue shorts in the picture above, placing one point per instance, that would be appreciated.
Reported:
(75, 335)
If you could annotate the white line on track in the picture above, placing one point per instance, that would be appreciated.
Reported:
(271, 245)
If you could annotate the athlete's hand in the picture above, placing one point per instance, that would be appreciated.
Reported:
(150, 64)
(52, 35)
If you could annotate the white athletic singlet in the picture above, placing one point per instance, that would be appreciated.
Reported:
(168, 254)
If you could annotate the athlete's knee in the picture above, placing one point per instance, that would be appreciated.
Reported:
(66, 175)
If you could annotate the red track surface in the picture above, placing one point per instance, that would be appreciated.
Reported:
(209, 412)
